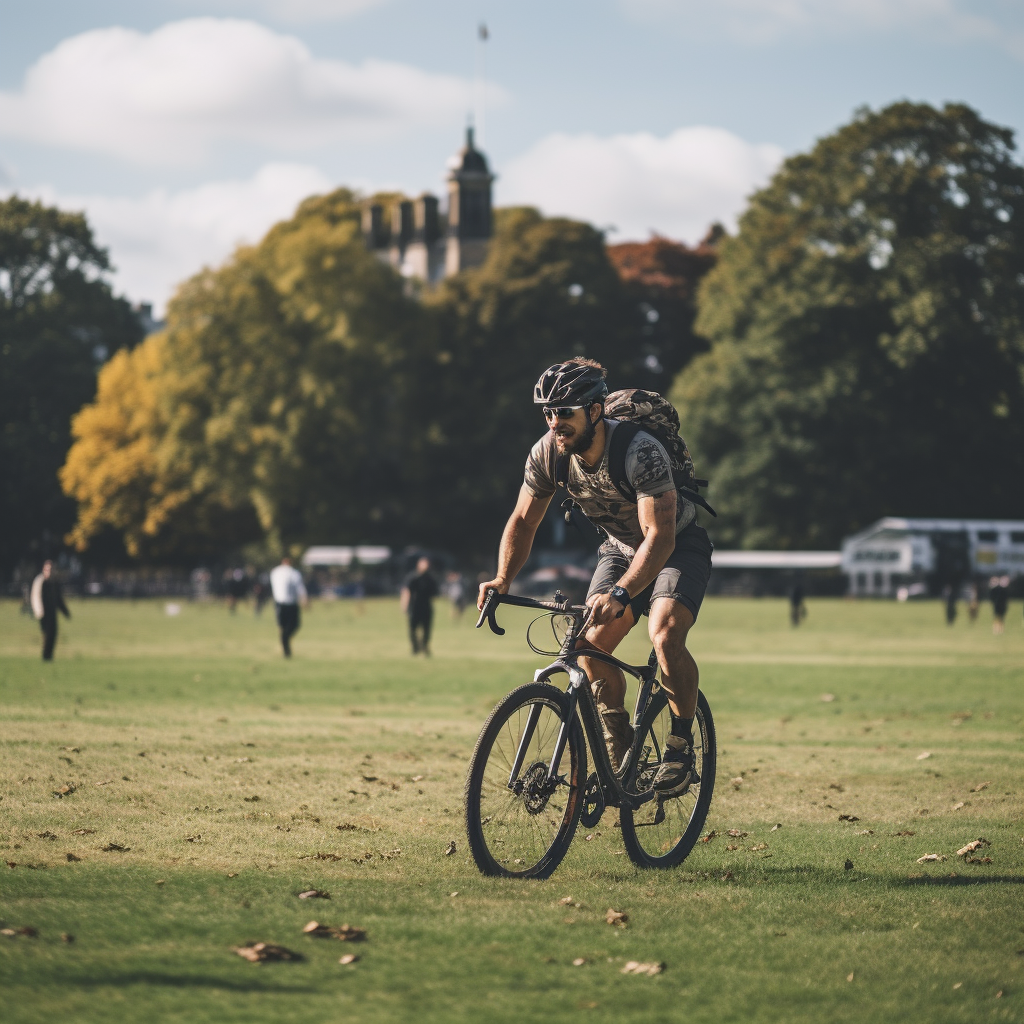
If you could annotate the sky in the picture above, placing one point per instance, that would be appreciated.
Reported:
(186, 127)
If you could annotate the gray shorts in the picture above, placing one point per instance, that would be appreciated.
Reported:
(684, 578)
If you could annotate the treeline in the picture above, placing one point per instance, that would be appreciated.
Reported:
(858, 350)
(305, 392)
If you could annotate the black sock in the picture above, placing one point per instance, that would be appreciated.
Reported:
(682, 727)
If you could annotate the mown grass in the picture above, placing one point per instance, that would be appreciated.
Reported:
(227, 772)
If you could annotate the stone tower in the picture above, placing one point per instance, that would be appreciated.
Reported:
(469, 208)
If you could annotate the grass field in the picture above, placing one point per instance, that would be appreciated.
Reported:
(234, 780)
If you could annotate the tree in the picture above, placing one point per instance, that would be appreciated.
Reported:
(273, 406)
(58, 321)
(661, 279)
(868, 338)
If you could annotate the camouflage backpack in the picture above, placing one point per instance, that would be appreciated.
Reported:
(639, 410)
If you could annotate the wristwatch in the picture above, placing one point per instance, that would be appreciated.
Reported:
(620, 594)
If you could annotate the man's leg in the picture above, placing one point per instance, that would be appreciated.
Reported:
(49, 637)
(608, 685)
(670, 623)
(413, 634)
(428, 621)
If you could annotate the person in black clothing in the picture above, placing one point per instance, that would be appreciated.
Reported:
(797, 608)
(418, 591)
(999, 594)
(47, 600)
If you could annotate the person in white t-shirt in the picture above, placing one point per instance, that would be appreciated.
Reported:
(289, 592)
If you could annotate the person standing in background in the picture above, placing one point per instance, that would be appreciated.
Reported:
(418, 592)
(797, 608)
(289, 592)
(47, 599)
(999, 594)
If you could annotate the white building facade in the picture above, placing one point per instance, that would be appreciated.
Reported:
(894, 552)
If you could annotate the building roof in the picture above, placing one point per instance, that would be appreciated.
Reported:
(469, 161)
(897, 526)
(776, 559)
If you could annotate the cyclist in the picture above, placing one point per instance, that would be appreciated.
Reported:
(656, 559)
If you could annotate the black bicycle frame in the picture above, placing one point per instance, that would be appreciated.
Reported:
(581, 701)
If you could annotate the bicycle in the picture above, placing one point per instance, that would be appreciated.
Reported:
(527, 790)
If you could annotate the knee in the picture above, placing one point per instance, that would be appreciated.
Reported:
(668, 635)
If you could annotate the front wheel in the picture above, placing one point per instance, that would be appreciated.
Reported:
(519, 824)
(661, 833)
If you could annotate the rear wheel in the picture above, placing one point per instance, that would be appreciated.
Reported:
(661, 833)
(518, 824)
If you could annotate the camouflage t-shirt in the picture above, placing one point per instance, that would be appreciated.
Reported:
(647, 468)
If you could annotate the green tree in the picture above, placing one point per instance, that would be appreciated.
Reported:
(58, 321)
(868, 336)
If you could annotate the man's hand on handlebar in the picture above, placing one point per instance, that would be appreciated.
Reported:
(606, 609)
(501, 586)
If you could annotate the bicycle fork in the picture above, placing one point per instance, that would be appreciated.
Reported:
(560, 742)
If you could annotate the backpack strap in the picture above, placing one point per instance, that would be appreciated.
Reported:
(562, 470)
(622, 436)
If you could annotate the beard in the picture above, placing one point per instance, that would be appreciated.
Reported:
(576, 443)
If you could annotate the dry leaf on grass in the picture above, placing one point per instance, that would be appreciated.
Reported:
(928, 857)
(47, 835)
(981, 785)
(737, 782)
(635, 967)
(417, 778)
(26, 930)
(314, 894)
(64, 791)
(733, 846)
(924, 756)
(616, 917)
(737, 834)
(344, 933)
(72, 858)
(262, 952)
(707, 838)
(958, 805)
(849, 977)
(977, 860)
(115, 848)
(566, 901)
(827, 698)
(450, 849)
(348, 958)
(775, 828)
(83, 832)
(579, 961)
(848, 817)
(865, 832)
(67, 937)
(976, 844)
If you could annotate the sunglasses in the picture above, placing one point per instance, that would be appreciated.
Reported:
(562, 412)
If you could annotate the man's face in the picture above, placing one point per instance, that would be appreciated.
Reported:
(573, 434)
(423, 565)
(47, 570)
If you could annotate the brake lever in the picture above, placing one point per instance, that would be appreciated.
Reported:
(488, 610)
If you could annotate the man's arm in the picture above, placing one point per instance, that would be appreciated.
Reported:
(406, 595)
(516, 541)
(658, 522)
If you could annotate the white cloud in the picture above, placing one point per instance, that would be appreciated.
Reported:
(765, 21)
(173, 94)
(640, 183)
(301, 11)
(160, 239)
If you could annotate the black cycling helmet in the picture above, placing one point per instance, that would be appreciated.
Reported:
(571, 384)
